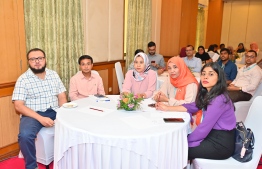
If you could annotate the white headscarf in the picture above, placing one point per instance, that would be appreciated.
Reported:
(140, 76)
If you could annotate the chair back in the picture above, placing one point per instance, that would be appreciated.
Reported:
(119, 75)
(258, 92)
(253, 121)
(95, 72)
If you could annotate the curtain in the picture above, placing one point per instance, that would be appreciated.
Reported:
(200, 32)
(138, 27)
(56, 27)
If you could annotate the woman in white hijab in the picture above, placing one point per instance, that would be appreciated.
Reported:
(141, 80)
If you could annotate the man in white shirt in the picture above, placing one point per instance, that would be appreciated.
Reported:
(195, 64)
(247, 80)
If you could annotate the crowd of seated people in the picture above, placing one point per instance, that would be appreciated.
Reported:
(221, 84)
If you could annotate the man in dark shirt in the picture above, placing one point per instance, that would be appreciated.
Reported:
(227, 65)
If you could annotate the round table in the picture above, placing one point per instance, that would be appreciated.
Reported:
(108, 138)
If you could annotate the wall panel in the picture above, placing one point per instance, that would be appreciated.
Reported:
(9, 122)
(214, 22)
(104, 26)
(12, 40)
(13, 63)
(242, 23)
(170, 27)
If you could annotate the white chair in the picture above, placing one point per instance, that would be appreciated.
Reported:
(44, 146)
(119, 75)
(253, 121)
(95, 72)
(242, 107)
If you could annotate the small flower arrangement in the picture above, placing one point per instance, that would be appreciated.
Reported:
(129, 102)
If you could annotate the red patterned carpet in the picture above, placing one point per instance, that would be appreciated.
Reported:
(18, 163)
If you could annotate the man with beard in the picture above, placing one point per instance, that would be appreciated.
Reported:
(247, 80)
(37, 94)
(227, 65)
(156, 61)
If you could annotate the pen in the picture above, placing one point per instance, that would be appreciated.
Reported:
(96, 109)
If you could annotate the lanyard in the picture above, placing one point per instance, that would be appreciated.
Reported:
(202, 117)
(250, 67)
(223, 66)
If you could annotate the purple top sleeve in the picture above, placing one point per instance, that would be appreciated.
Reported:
(219, 115)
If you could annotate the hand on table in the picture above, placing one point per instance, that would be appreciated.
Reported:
(142, 95)
(162, 106)
(160, 97)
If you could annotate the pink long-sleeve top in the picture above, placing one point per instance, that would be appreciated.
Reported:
(147, 85)
(81, 87)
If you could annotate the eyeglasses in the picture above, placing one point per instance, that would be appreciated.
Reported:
(188, 50)
(250, 57)
(36, 59)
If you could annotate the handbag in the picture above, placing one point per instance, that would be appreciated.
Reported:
(244, 143)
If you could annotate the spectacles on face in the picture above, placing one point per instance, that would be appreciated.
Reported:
(40, 59)
(189, 50)
(250, 57)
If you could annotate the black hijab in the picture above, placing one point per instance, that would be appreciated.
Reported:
(205, 56)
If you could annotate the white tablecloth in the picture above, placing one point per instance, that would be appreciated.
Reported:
(113, 140)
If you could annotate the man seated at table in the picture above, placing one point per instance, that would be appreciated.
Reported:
(247, 80)
(85, 82)
(156, 61)
(227, 65)
(37, 94)
(193, 63)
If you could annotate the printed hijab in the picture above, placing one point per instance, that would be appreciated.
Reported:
(141, 76)
(185, 77)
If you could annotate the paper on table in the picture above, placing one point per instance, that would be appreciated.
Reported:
(138, 122)
(114, 98)
(168, 114)
(96, 111)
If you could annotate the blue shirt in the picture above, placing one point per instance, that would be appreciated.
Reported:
(230, 69)
(195, 64)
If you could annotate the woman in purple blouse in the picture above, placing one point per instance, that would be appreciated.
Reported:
(214, 137)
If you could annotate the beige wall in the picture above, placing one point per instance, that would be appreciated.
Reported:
(242, 22)
(104, 26)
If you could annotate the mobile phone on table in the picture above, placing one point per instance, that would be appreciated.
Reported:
(152, 105)
(99, 95)
(174, 120)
